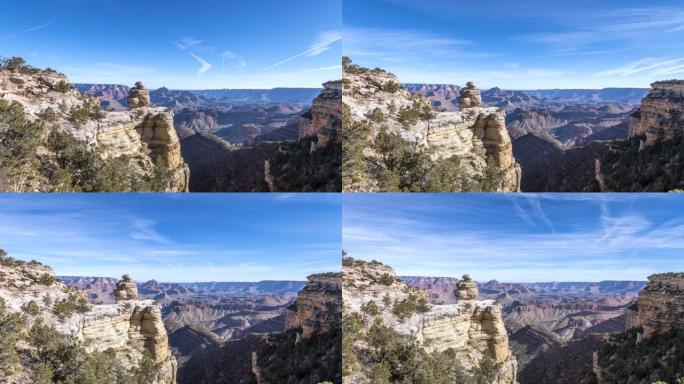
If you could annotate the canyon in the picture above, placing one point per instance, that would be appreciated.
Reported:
(612, 139)
(105, 137)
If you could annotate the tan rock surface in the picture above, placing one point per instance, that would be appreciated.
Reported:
(660, 304)
(138, 96)
(324, 119)
(145, 135)
(318, 305)
(473, 328)
(130, 328)
(474, 135)
(470, 96)
(661, 114)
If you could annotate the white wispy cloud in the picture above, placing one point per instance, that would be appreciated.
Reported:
(205, 66)
(27, 30)
(648, 66)
(595, 245)
(323, 43)
(228, 55)
(190, 43)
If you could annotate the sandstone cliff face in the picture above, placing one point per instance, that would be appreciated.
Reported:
(324, 119)
(660, 305)
(318, 305)
(475, 135)
(130, 328)
(661, 114)
(144, 135)
(472, 327)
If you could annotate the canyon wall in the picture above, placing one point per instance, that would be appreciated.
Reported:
(325, 116)
(660, 305)
(318, 306)
(661, 114)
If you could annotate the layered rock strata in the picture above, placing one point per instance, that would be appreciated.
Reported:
(470, 96)
(661, 114)
(472, 328)
(324, 119)
(476, 135)
(131, 328)
(318, 306)
(660, 305)
(143, 134)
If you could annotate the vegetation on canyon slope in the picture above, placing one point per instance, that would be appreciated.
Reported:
(69, 166)
(402, 166)
(658, 358)
(392, 359)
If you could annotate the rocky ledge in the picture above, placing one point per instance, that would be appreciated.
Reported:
(660, 305)
(324, 119)
(472, 328)
(144, 135)
(661, 114)
(131, 328)
(318, 306)
(476, 135)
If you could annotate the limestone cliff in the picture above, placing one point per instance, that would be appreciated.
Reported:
(142, 137)
(470, 331)
(475, 138)
(660, 305)
(661, 114)
(318, 306)
(325, 116)
(131, 328)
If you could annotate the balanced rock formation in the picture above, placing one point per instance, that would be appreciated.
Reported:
(132, 328)
(475, 137)
(466, 289)
(143, 138)
(473, 329)
(470, 96)
(661, 114)
(138, 96)
(126, 289)
(318, 306)
(660, 305)
(324, 119)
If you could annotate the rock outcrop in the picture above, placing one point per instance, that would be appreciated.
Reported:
(466, 289)
(138, 96)
(144, 137)
(473, 329)
(131, 328)
(660, 305)
(126, 289)
(470, 96)
(324, 119)
(318, 306)
(475, 137)
(661, 114)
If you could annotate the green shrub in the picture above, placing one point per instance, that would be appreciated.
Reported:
(48, 115)
(31, 308)
(391, 86)
(62, 86)
(47, 279)
(386, 279)
(370, 308)
(414, 303)
(11, 325)
(66, 307)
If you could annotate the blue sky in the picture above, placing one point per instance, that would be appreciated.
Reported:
(176, 237)
(518, 237)
(178, 43)
(526, 44)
